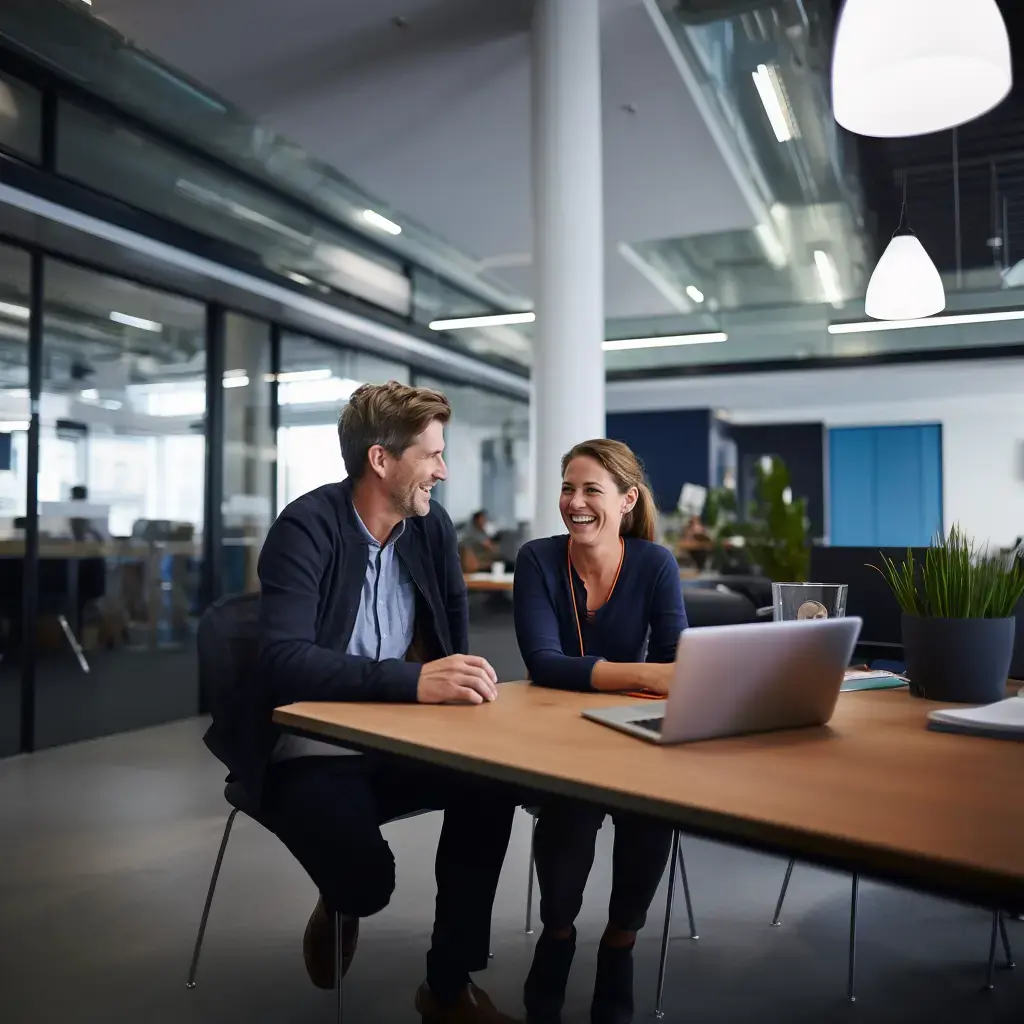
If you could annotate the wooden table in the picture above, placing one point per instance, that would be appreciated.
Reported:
(488, 582)
(873, 791)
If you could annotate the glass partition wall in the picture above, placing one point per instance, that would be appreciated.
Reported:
(14, 422)
(147, 440)
(119, 504)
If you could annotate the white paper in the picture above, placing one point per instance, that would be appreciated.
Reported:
(1003, 716)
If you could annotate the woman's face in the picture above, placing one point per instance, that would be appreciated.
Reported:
(591, 505)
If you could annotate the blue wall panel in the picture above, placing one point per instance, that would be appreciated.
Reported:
(885, 485)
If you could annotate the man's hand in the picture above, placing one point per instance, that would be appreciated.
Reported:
(459, 679)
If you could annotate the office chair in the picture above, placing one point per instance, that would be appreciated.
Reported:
(236, 796)
(998, 925)
(227, 642)
(675, 858)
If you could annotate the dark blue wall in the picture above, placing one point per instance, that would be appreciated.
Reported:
(674, 447)
(802, 447)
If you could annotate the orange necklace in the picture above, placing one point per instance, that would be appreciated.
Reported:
(572, 589)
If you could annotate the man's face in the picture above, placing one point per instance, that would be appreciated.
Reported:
(411, 478)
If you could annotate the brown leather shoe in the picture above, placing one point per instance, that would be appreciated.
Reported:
(472, 1007)
(318, 945)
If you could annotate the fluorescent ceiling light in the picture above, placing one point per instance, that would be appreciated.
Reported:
(496, 320)
(236, 379)
(773, 248)
(695, 293)
(946, 320)
(298, 278)
(331, 391)
(905, 284)
(90, 395)
(664, 341)
(18, 312)
(136, 321)
(7, 426)
(911, 67)
(290, 376)
(769, 88)
(379, 221)
(828, 276)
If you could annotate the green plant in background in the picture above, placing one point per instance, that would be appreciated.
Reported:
(719, 515)
(777, 529)
(956, 580)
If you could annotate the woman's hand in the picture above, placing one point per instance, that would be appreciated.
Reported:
(618, 677)
(659, 677)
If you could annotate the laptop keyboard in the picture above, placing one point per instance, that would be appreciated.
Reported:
(654, 724)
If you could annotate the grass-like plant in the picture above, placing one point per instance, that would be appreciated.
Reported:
(956, 580)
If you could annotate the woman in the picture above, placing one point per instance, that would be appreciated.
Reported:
(599, 610)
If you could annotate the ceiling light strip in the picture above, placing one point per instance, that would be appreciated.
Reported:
(944, 320)
(664, 341)
(491, 320)
(769, 91)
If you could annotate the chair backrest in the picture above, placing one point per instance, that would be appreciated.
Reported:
(228, 640)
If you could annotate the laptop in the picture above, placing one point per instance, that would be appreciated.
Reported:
(754, 677)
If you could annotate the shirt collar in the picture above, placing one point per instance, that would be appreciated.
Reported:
(369, 537)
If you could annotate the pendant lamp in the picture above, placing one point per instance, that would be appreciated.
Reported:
(905, 284)
(909, 67)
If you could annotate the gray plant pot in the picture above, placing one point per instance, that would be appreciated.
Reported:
(958, 660)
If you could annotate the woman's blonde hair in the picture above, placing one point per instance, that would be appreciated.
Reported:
(627, 471)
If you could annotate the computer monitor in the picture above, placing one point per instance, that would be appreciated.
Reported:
(869, 596)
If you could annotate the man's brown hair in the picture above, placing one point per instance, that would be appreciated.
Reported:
(391, 415)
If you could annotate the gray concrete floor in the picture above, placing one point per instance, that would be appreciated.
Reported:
(106, 849)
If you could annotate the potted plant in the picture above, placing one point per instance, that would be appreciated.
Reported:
(958, 623)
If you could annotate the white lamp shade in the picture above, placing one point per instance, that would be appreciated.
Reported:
(908, 67)
(905, 285)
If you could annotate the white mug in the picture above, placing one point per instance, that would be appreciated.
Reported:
(497, 568)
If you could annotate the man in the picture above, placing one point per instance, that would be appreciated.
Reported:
(362, 598)
(477, 545)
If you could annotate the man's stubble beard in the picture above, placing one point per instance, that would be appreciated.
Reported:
(403, 500)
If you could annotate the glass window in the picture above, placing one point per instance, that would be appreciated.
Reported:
(486, 450)
(14, 413)
(315, 382)
(134, 168)
(249, 452)
(121, 479)
(21, 119)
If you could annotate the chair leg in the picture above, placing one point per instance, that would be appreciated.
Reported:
(191, 983)
(686, 891)
(782, 894)
(529, 883)
(667, 932)
(1007, 949)
(851, 994)
(337, 962)
(990, 982)
(76, 647)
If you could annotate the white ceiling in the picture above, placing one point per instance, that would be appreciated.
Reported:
(434, 117)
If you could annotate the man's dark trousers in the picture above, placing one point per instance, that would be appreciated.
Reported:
(328, 812)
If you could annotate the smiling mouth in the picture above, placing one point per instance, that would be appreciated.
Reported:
(582, 520)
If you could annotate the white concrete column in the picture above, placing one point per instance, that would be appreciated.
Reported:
(568, 241)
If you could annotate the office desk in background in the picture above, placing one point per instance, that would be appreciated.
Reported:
(873, 791)
(75, 555)
(488, 582)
